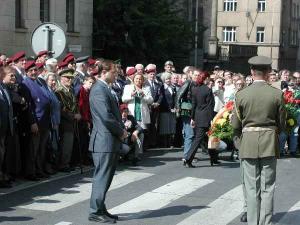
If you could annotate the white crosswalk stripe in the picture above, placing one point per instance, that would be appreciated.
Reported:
(292, 216)
(226, 207)
(160, 197)
(63, 223)
(82, 192)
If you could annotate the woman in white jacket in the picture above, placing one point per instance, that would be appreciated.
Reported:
(138, 97)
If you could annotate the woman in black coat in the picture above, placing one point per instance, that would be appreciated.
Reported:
(202, 115)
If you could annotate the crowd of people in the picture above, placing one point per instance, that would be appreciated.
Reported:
(45, 118)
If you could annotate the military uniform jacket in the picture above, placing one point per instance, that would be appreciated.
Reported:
(69, 107)
(258, 119)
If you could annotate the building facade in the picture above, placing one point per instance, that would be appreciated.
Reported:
(259, 27)
(19, 18)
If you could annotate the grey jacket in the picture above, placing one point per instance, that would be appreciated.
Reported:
(107, 120)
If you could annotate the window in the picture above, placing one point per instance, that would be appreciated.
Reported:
(261, 6)
(18, 14)
(260, 35)
(70, 17)
(230, 5)
(229, 34)
(44, 11)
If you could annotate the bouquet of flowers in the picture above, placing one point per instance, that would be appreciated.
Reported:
(221, 128)
(292, 102)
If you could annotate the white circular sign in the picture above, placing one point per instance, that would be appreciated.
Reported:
(48, 36)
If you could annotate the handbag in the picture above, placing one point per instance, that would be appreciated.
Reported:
(186, 106)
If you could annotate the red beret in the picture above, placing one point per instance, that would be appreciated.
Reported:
(29, 64)
(41, 53)
(62, 65)
(130, 71)
(123, 107)
(69, 59)
(91, 61)
(18, 55)
(69, 55)
(39, 65)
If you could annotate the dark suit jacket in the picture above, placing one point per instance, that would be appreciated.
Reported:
(155, 91)
(106, 118)
(168, 100)
(203, 105)
(6, 112)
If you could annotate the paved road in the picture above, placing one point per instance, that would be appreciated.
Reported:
(158, 192)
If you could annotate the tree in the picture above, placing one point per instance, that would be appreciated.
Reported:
(140, 31)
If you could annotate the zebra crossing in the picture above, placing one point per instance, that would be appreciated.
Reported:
(221, 211)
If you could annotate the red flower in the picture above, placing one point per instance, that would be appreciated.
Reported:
(229, 105)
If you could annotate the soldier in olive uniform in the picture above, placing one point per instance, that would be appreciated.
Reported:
(69, 115)
(258, 119)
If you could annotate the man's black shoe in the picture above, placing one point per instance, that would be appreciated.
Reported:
(111, 215)
(244, 217)
(101, 219)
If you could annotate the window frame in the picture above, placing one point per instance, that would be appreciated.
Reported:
(260, 35)
(230, 5)
(70, 15)
(44, 11)
(229, 34)
(261, 5)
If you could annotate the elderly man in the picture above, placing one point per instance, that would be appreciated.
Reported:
(259, 120)
(69, 116)
(81, 72)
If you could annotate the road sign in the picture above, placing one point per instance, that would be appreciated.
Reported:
(48, 36)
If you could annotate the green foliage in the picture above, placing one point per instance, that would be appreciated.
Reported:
(224, 131)
(139, 31)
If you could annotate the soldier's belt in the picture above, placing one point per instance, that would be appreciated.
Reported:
(256, 129)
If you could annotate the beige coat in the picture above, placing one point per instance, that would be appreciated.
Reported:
(260, 108)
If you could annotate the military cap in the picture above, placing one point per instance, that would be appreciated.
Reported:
(18, 56)
(82, 59)
(260, 61)
(41, 53)
(69, 56)
(70, 59)
(66, 73)
(130, 70)
(169, 63)
(29, 64)
(39, 65)
(91, 61)
(62, 65)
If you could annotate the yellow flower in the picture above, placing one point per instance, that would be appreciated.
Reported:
(225, 115)
(221, 121)
(291, 122)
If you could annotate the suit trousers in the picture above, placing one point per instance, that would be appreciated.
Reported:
(66, 149)
(259, 178)
(200, 139)
(35, 161)
(105, 167)
(243, 186)
(2, 153)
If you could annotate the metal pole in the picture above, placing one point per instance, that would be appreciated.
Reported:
(196, 34)
(47, 32)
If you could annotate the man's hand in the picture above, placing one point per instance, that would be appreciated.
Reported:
(125, 135)
(134, 136)
(77, 116)
(133, 93)
(192, 123)
(34, 128)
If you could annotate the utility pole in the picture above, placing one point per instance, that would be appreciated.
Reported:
(213, 39)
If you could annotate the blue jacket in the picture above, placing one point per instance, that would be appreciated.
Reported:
(41, 102)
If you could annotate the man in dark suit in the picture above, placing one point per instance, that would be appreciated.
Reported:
(155, 88)
(202, 113)
(105, 140)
